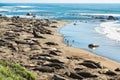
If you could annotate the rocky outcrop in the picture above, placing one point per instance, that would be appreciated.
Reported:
(111, 18)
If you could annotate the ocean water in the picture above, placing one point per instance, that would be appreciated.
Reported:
(60, 11)
(88, 29)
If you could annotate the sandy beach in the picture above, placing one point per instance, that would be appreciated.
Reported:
(36, 45)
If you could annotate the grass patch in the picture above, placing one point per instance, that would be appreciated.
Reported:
(12, 71)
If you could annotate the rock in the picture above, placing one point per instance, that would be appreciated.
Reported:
(16, 17)
(29, 14)
(102, 20)
(55, 65)
(111, 18)
(44, 69)
(1, 15)
(117, 69)
(58, 77)
(87, 75)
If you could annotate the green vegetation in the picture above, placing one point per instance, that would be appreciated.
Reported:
(12, 71)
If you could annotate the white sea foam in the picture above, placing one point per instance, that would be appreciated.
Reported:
(29, 11)
(4, 10)
(110, 30)
(98, 14)
(24, 6)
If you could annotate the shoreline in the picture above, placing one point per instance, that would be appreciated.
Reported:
(37, 45)
(108, 60)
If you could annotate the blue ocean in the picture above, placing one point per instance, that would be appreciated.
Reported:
(88, 23)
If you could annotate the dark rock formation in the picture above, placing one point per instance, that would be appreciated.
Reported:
(111, 18)
(29, 14)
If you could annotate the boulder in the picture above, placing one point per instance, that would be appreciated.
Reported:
(111, 18)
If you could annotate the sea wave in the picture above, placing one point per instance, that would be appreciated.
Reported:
(110, 30)
(29, 10)
(24, 6)
(4, 10)
(98, 14)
